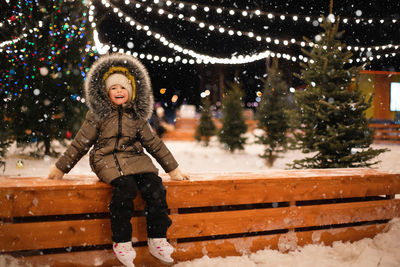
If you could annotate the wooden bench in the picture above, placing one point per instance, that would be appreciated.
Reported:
(386, 132)
(65, 222)
(185, 128)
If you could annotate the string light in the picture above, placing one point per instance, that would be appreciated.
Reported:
(205, 58)
(101, 48)
(9, 42)
(270, 15)
(249, 34)
(241, 59)
(104, 48)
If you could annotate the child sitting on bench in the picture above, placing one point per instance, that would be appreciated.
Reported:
(120, 99)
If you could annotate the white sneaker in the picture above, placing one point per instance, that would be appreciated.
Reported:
(161, 249)
(125, 253)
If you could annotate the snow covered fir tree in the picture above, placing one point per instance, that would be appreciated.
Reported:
(233, 123)
(329, 114)
(206, 127)
(42, 72)
(271, 114)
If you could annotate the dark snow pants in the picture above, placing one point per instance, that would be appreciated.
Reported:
(125, 189)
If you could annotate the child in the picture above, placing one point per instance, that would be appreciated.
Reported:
(120, 99)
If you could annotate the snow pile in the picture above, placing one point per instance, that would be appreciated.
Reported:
(8, 261)
(381, 251)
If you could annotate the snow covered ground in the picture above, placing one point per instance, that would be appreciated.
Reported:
(195, 158)
(382, 251)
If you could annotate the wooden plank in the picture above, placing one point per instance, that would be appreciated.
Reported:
(75, 195)
(62, 234)
(379, 72)
(243, 221)
(58, 234)
(6, 205)
(55, 202)
(386, 141)
(61, 202)
(231, 191)
(104, 258)
(181, 135)
(211, 248)
(388, 130)
(41, 183)
(387, 137)
(186, 123)
(384, 125)
(91, 182)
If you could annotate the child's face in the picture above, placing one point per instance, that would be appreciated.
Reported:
(118, 94)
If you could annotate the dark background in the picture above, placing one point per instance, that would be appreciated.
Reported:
(188, 81)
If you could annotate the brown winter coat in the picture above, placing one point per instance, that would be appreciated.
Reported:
(118, 134)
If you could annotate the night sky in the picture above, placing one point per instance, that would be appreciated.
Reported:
(186, 80)
(189, 80)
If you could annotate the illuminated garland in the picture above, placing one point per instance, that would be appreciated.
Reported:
(10, 42)
(241, 59)
(104, 48)
(270, 15)
(230, 31)
(200, 58)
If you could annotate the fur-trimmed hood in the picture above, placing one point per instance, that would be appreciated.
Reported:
(96, 93)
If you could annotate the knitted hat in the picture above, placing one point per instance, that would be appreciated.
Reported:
(121, 79)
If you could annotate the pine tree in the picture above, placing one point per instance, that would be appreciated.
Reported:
(330, 116)
(233, 122)
(206, 127)
(271, 115)
(43, 69)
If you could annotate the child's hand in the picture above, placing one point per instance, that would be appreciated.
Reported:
(55, 173)
(177, 175)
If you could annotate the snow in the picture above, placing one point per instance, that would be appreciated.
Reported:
(382, 250)
(193, 158)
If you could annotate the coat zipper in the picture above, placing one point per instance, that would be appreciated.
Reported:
(117, 141)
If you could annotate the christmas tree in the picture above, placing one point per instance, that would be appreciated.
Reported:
(43, 67)
(272, 115)
(233, 123)
(330, 116)
(206, 127)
